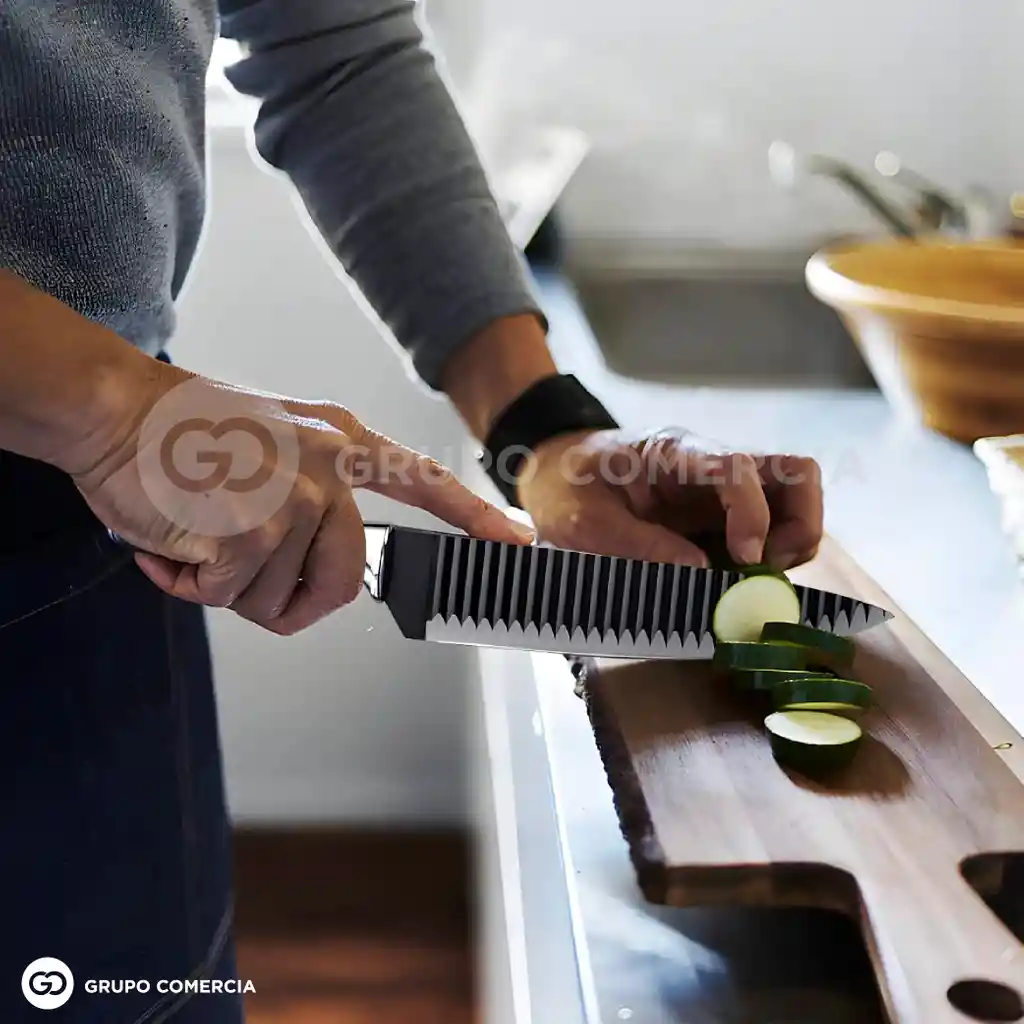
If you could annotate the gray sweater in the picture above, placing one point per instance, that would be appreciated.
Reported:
(102, 159)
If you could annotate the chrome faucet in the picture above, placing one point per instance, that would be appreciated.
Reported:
(933, 211)
(936, 211)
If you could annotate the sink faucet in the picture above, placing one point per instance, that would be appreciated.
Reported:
(935, 209)
(787, 169)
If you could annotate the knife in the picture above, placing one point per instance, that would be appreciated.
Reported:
(451, 588)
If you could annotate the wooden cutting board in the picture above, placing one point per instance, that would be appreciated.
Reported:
(711, 818)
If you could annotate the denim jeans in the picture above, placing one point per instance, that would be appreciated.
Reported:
(114, 841)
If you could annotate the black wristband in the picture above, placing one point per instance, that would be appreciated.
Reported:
(548, 408)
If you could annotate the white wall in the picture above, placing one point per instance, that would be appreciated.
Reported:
(339, 722)
(683, 98)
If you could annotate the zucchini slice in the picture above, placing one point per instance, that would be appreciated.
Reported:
(742, 611)
(767, 678)
(821, 693)
(813, 742)
(827, 649)
(715, 547)
(754, 656)
(760, 569)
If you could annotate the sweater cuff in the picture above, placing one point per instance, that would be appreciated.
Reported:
(429, 358)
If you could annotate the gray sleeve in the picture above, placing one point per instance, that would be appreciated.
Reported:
(353, 110)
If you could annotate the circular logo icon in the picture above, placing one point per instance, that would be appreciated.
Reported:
(216, 461)
(47, 983)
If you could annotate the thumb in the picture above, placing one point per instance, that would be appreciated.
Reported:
(407, 476)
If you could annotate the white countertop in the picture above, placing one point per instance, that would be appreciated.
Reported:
(916, 513)
(913, 508)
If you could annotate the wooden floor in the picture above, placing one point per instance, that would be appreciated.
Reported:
(355, 929)
(356, 979)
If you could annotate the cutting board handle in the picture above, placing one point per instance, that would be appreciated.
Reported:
(940, 950)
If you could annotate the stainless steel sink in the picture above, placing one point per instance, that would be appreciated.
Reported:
(720, 330)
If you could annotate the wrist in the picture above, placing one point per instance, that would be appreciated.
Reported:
(555, 412)
(67, 384)
(494, 368)
(107, 410)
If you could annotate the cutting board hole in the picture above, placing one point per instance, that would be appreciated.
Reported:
(998, 878)
(986, 1000)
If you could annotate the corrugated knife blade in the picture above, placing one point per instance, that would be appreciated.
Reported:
(451, 588)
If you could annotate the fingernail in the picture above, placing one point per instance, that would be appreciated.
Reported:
(750, 551)
(523, 532)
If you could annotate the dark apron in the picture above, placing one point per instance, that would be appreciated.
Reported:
(115, 844)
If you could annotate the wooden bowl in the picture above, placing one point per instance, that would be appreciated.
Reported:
(940, 325)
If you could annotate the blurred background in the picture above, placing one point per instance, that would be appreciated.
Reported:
(674, 164)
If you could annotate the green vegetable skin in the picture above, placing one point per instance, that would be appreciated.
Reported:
(823, 649)
(813, 742)
(714, 546)
(758, 655)
(821, 693)
(767, 678)
(761, 570)
(811, 730)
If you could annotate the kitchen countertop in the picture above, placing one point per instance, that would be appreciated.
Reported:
(578, 943)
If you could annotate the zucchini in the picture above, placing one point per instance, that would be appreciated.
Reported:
(813, 742)
(821, 693)
(742, 611)
(715, 547)
(760, 569)
(825, 649)
(767, 678)
(754, 656)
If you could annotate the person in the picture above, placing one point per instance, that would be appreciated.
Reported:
(116, 850)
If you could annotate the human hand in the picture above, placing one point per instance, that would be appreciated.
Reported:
(242, 499)
(651, 496)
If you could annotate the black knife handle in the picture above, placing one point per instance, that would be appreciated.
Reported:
(374, 580)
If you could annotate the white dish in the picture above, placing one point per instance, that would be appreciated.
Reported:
(1003, 458)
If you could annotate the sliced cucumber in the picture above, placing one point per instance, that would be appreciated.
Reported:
(813, 742)
(754, 656)
(765, 570)
(821, 693)
(742, 611)
(827, 649)
(715, 547)
(767, 678)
